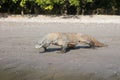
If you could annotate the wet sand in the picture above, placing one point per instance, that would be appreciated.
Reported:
(19, 60)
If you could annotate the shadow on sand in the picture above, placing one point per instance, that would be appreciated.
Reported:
(68, 49)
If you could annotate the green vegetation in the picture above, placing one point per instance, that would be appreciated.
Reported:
(60, 7)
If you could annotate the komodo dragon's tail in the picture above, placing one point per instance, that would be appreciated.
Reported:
(96, 42)
(91, 41)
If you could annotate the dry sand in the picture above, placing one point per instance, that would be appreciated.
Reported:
(62, 19)
(19, 60)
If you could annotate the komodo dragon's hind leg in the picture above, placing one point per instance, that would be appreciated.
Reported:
(63, 49)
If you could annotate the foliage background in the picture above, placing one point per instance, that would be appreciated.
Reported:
(60, 7)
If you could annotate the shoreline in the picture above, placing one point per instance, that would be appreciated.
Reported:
(62, 19)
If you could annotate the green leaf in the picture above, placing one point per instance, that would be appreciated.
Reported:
(22, 3)
(50, 7)
(14, 1)
(89, 0)
(74, 2)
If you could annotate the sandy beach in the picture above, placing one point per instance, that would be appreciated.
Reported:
(19, 60)
(62, 19)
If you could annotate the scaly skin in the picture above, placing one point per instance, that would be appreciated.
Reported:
(68, 40)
